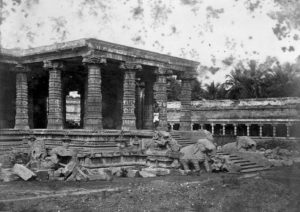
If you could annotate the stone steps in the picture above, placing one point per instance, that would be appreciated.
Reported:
(180, 139)
(245, 165)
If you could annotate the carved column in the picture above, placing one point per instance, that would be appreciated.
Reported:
(288, 129)
(212, 128)
(128, 117)
(274, 130)
(140, 91)
(224, 129)
(93, 101)
(235, 129)
(148, 112)
(248, 129)
(185, 98)
(21, 119)
(160, 96)
(55, 104)
(260, 130)
(171, 126)
(201, 126)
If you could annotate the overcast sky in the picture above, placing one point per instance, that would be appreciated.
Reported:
(208, 31)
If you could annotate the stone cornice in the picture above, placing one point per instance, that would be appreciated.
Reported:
(187, 76)
(111, 51)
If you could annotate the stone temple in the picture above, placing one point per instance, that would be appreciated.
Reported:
(118, 90)
(118, 86)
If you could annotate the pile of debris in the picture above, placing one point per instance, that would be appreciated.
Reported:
(281, 157)
(144, 172)
(61, 163)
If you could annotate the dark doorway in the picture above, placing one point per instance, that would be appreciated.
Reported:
(37, 98)
(112, 96)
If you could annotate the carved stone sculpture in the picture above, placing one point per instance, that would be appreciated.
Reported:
(242, 143)
(197, 153)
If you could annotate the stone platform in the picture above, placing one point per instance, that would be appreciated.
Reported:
(95, 149)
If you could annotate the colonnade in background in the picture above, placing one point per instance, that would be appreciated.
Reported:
(244, 129)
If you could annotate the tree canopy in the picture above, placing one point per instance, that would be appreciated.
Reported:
(250, 80)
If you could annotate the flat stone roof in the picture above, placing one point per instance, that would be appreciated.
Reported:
(113, 51)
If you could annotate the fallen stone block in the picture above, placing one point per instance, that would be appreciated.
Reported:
(145, 174)
(132, 173)
(23, 172)
(69, 168)
(157, 171)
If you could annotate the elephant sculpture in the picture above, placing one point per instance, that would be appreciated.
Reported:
(197, 153)
(243, 143)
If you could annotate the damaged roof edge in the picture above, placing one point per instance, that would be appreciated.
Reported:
(98, 45)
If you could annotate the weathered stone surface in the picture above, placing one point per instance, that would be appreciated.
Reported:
(287, 162)
(21, 119)
(23, 172)
(128, 116)
(146, 174)
(42, 175)
(160, 96)
(297, 160)
(132, 173)
(100, 174)
(7, 175)
(62, 151)
(243, 143)
(157, 171)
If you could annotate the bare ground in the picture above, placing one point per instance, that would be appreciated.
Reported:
(273, 190)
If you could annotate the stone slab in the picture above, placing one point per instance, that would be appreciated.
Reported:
(23, 172)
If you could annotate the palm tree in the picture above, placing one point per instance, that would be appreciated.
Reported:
(212, 90)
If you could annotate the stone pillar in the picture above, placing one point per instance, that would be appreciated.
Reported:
(21, 119)
(93, 97)
(224, 129)
(201, 126)
(288, 129)
(128, 117)
(55, 104)
(260, 130)
(140, 89)
(212, 129)
(235, 129)
(148, 111)
(171, 126)
(248, 129)
(274, 130)
(160, 96)
(185, 98)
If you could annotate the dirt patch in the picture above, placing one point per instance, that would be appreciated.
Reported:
(275, 190)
